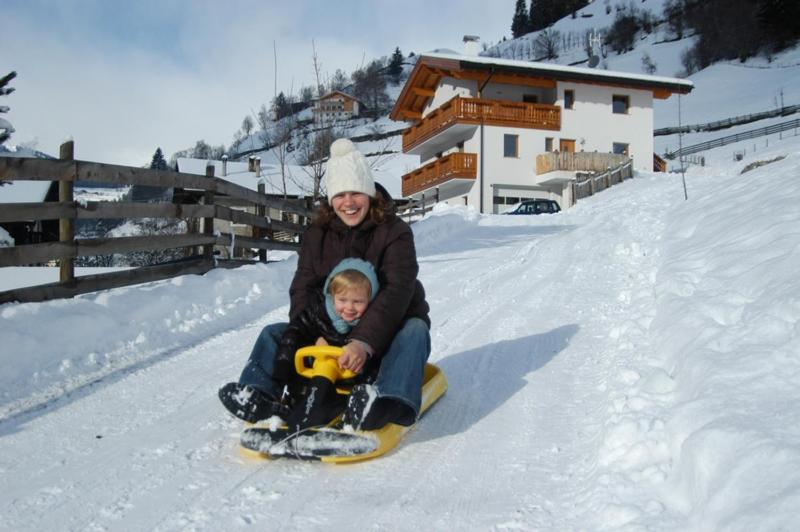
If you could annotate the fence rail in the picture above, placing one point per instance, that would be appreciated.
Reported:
(728, 122)
(730, 139)
(214, 193)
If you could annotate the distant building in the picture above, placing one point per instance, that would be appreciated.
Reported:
(483, 127)
(335, 107)
(29, 231)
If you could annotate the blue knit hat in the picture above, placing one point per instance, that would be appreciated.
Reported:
(349, 264)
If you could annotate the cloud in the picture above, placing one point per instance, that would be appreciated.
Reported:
(122, 78)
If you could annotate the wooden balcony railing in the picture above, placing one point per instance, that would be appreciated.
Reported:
(455, 165)
(493, 112)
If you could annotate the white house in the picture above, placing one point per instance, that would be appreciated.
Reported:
(479, 124)
(334, 107)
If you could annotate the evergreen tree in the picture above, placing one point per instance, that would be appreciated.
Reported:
(6, 129)
(281, 106)
(158, 162)
(395, 68)
(540, 15)
(519, 24)
(780, 22)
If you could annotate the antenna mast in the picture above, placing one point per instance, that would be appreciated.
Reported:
(680, 149)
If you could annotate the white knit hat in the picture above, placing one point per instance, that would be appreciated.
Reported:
(348, 170)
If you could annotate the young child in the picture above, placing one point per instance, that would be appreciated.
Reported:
(327, 320)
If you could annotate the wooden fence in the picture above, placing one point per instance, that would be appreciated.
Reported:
(745, 135)
(577, 161)
(586, 185)
(217, 197)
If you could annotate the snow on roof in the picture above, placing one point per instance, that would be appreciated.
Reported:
(538, 67)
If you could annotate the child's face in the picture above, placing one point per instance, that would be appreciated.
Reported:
(350, 304)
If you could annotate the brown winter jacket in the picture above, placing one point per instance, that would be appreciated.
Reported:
(390, 248)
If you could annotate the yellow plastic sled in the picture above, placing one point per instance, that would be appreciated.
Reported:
(333, 443)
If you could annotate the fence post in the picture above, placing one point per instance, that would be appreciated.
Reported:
(261, 211)
(66, 226)
(208, 223)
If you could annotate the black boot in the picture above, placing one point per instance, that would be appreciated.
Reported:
(319, 407)
(251, 404)
(366, 411)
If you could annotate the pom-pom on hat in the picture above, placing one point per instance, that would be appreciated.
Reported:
(348, 170)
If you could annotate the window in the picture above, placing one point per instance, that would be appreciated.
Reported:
(548, 144)
(530, 98)
(620, 104)
(620, 148)
(510, 145)
(569, 99)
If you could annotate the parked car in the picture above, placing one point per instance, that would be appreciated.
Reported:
(538, 206)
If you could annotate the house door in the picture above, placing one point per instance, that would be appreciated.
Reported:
(566, 145)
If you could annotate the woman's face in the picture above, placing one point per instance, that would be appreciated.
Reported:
(351, 207)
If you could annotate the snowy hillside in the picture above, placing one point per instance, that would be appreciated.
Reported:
(627, 364)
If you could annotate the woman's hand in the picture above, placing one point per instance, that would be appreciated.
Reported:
(353, 357)
(321, 341)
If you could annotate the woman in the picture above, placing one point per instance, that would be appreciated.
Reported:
(392, 335)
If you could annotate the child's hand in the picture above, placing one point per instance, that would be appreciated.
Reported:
(353, 357)
(321, 341)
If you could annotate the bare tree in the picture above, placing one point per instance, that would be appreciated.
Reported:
(317, 68)
(262, 117)
(370, 87)
(247, 125)
(338, 81)
(314, 153)
(383, 151)
(282, 135)
(546, 45)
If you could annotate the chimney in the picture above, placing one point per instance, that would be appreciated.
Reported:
(224, 165)
(472, 45)
(251, 163)
(258, 166)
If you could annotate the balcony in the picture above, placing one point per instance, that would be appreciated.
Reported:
(453, 173)
(462, 114)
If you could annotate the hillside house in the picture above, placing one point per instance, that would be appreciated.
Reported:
(335, 106)
(480, 123)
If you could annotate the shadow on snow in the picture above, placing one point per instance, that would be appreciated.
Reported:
(482, 379)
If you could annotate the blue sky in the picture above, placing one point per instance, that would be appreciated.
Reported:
(123, 77)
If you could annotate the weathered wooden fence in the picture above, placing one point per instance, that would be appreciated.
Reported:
(577, 161)
(586, 185)
(217, 196)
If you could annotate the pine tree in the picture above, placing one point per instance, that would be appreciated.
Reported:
(519, 24)
(281, 106)
(6, 129)
(395, 68)
(158, 162)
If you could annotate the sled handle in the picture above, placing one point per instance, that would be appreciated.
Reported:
(325, 363)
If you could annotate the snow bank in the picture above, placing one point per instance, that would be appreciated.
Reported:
(703, 431)
(53, 347)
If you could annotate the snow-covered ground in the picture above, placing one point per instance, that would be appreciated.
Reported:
(628, 364)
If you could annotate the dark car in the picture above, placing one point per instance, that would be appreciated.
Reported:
(539, 206)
